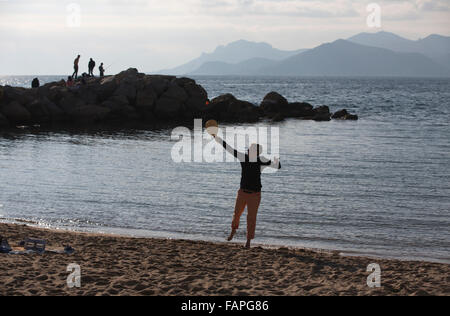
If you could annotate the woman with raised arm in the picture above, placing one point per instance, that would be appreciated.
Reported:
(249, 193)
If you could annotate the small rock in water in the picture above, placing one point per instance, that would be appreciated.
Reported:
(344, 115)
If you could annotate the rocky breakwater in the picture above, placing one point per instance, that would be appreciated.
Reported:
(126, 97)
(276, 107)
(131, 97)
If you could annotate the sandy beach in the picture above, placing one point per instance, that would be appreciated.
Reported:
(114, 265)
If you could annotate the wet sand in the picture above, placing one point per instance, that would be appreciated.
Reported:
(114, 265)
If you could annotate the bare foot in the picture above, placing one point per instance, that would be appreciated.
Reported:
(230, 238)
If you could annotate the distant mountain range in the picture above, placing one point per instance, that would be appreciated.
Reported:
(432, 46)
(436, 47)
(344, 58)
(233, 53)
(366, 54)
(249, 66)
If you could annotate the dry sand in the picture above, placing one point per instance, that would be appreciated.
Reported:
(112, 265)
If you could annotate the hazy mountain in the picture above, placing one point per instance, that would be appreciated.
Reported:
(345, 58)
(246, 67)
(444, 60)
(232, 53)
(433, 46)
(384, 40)
(366, 54)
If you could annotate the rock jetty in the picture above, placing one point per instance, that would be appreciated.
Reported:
(131, 97)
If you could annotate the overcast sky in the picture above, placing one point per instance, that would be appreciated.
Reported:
(43, 36)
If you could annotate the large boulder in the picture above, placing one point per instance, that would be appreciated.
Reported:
(116, 102)
(340, 114)
(352, 117)
(168, 108)
(120, 109)
(2, 97)
(54, 94)
(129, 75)
(16, 113)
(20, 95)
(176, 92)
(196, 103)
(37, 106)
(222, 101)
(247, 112)
(218, 107)
(127, 90)
(159, 84)
(277, 107)
(171, 104)
(344, 115)
(322, 114)
(45, 111)
(3, 121)
(299, 110)
(274, 103)
(39, 112)
(56, 114)
(145, 99)
(70, 101)
(89, 114)
(183, 81)
(87, 93)
(278, 118)
(106, 88)
(145, 103)
(228, 108)
(243, 111)
(60, 84)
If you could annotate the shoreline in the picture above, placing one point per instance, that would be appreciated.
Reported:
(120, 265)
(140, 233)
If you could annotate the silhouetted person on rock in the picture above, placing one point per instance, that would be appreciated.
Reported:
(69, 82)
(75, 67)
(35, 83)
(102, 70)
(91, 67)
(83, 79)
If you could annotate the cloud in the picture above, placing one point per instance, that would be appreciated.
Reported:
(230, 8)
(402, 10)
(138, 3)
(294, 8)
(433, 5)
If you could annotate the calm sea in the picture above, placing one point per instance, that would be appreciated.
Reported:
(379, 186)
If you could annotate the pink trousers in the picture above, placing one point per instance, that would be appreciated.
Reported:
(252, 201)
